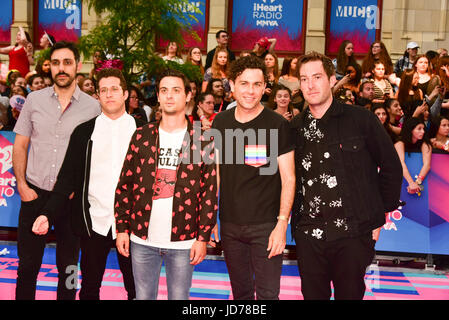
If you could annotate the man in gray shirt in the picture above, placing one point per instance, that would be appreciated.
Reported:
(43, 131)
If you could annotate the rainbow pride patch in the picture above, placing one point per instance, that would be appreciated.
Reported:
(256, 155)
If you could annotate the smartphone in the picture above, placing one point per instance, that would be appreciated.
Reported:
(427, 100)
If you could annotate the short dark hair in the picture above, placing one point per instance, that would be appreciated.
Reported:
(112, 72)
(217, 35)
(203, 96)
(66, 45)
(209, 84)
(316, 56)
(34, 76)
(177, 74)
(249, 62)
(364, 83)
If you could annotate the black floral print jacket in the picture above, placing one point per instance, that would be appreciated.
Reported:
(195, 196)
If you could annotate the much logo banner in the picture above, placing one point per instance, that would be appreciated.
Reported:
(356, 21)
(6, 21)
(280, 19)
(60, 18)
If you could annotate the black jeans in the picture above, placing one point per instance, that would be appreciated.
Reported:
(94, 254)
(30, 249)
(246, 256)
(342, 262)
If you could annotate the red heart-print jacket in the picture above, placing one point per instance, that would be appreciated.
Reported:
(195, 196)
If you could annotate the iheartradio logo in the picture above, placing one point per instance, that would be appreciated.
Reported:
(5, 158)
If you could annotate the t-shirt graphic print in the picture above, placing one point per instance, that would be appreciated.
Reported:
(160, 224)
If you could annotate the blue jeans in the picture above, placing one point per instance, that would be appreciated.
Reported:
(147, 264)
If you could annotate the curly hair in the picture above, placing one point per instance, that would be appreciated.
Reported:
(249, 62)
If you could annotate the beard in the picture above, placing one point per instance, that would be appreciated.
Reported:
(63, 83)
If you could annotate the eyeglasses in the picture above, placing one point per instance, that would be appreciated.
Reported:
(114, 90)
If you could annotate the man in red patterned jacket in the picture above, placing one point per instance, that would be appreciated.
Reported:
(166, 198)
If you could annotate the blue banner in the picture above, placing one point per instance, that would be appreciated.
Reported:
(198, 24)
(9, 196)
(60, 18)
(280, 19)
(356, 21)
(6, 21)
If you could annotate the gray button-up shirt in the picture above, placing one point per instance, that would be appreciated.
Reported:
(49, 130)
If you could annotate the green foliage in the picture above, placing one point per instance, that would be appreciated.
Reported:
(157, 64)
(42, 55)
(129, 30)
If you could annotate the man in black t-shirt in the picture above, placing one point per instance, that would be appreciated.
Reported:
(257, 183)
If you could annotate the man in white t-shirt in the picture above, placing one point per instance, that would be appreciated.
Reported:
(90, 171)
(166, 201)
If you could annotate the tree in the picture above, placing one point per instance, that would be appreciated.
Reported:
(129, 30)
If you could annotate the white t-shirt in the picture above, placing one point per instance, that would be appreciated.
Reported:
(160, 226)
(110, 143)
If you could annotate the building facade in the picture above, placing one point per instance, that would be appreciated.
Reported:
(400, 21)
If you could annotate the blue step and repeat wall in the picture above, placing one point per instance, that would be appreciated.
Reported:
(421, 226)
(9, 196)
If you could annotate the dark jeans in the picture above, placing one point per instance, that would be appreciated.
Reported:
(342, 262)
(30, 249)
(246, 256)
(94, 254)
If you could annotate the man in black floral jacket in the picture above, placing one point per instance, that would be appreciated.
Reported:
(349, 176)
(166, 198)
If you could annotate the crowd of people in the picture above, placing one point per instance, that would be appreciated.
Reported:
(407, 103)
(416, 86)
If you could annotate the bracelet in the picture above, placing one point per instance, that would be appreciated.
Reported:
(202, 117)
(283, 218)
(421, 178)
